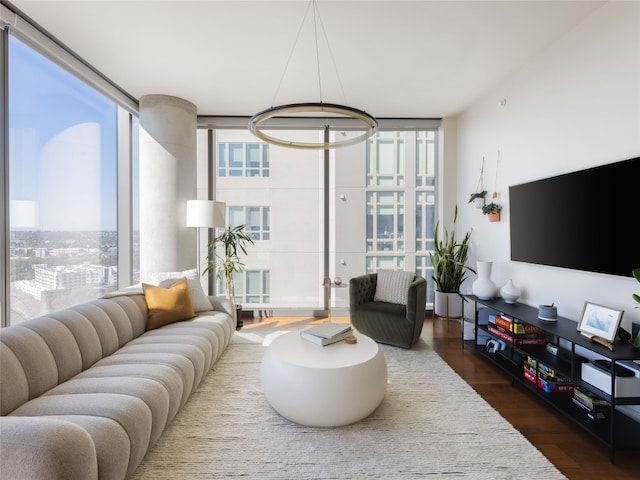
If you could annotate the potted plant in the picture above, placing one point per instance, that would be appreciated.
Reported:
(226, 250)
(477, 198)
(449, 259)
(492, 210)
(635, 342)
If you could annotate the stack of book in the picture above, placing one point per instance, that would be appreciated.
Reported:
(515, 333)
(547, 378)
(327, 333)
(594, 407)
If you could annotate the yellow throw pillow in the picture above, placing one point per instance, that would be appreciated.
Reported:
(168, 305)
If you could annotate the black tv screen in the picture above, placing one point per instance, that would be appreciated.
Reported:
(585, 220)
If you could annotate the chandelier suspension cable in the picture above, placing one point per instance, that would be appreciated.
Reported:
(333, 60)
(293, 49)
(313, 108)
(315, 35)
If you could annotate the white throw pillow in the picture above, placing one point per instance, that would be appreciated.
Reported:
(156, 277)
(199, 299)
(393, 286)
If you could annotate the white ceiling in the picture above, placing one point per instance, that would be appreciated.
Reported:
(422, 59)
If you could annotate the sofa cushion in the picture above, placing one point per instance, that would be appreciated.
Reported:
(28, 375)
(168, 305)
(191, 352)
(48, 447)
(199, 299)
(203, 344)
(393, 286)
(148, 390)
(126, 412)
(165, 375)
(181, 364)
(156, 277)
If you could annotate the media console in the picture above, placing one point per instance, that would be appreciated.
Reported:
(533, 364)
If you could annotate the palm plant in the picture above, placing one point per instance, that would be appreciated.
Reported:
(448, 258)
(226, 257)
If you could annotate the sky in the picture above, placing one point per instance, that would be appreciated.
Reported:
(62, 145)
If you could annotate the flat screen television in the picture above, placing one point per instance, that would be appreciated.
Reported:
(585, 220)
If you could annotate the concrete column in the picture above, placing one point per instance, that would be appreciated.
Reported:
(167, 180)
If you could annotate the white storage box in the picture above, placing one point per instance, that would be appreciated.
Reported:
(625, 386)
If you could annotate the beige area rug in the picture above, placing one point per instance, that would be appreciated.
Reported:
(431, 424)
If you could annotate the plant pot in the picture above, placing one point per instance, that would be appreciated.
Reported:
(478, 202)
(494, 216)
(447, 305)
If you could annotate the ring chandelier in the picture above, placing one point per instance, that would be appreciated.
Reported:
(255, 124)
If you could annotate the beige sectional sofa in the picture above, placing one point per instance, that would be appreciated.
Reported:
(87, 391)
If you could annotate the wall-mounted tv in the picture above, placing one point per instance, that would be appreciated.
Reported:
(585, 220)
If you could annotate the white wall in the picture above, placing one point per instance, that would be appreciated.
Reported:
(577, 105)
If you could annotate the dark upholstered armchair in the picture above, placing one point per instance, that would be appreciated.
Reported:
(390, 323)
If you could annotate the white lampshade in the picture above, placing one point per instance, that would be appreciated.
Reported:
(206, 213)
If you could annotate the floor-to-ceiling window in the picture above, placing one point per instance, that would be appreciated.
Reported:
(60, 165)
(400, 201)
(275, 192)
(381, 212)
(62, 183)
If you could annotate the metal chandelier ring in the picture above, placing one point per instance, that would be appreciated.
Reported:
(259, 118)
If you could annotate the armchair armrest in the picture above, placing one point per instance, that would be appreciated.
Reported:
(417, 299)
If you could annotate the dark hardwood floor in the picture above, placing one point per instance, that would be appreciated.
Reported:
(575, 453)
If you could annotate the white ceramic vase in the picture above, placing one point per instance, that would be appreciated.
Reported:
(510, 293)
(483, 287)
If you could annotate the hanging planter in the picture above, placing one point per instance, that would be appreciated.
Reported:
(477, 198)
(494, 216)
(492, 210)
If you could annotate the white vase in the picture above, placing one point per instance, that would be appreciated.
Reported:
(483, 287)
(510, 293)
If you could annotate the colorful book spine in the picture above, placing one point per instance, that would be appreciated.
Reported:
(555, 387)
(515, 327)
(589, 400)
(543, 368)
(514, 340)
(544, 383)
(529, 375)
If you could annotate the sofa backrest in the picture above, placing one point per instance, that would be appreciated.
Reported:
(40, 353)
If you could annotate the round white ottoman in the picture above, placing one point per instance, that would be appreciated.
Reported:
(328, 386)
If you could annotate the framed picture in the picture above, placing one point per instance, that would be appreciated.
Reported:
(600, 321)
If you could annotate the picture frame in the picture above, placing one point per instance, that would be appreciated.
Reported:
(599, 321)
